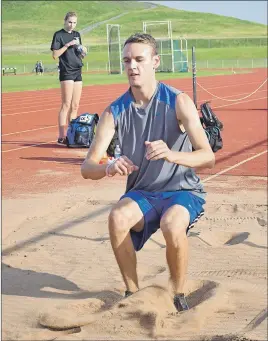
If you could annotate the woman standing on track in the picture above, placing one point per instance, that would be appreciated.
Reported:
(66, 45)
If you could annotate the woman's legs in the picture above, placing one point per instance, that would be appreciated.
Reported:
(77, 91)
(67, 88)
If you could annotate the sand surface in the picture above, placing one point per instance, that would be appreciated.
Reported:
(59, 272)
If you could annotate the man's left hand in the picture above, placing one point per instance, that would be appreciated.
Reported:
(157, 150)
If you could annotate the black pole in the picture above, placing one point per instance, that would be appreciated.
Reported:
(194, 76)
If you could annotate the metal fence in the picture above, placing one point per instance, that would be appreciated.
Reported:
(230, 64)
(227, 42)
(53, 68)
(102, 67)
(102, 45)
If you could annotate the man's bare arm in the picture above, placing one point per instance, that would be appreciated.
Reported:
(202, 156)
(91, 169)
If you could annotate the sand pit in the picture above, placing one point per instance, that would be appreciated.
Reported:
(60, 280)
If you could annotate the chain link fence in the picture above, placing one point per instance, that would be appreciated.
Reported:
(226, 64)
(53, 68)
(198, 43)
(227, 42)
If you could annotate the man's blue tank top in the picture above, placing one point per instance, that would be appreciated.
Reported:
(157, 121)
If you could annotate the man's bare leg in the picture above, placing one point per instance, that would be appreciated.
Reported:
(124, 216)
(173, 225)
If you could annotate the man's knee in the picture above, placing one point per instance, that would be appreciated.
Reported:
(174, 223)
(126, 215)
(119, 219)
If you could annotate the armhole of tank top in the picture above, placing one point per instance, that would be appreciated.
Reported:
(183, 143)
(115, 118)
(182, 129)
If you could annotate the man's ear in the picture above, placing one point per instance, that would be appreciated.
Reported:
(156, 61)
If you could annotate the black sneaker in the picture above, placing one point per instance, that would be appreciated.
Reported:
(62, 141)
(128, 293)
(180, 302)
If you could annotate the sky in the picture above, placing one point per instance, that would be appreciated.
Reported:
(255, 11)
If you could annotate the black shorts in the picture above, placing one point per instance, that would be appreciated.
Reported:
(75, 76)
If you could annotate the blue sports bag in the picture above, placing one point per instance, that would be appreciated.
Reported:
(81, 131)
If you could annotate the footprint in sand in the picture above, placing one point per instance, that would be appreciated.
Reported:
(237, 238)
(221, 238)
(241, 238)
(261, 222)
(154, 271)
(228, 337)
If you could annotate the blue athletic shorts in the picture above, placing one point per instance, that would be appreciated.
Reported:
(153, 206)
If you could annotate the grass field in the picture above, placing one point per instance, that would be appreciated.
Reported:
(98, 59)
(13, 83)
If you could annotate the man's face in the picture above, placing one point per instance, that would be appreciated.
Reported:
(70, 24)
(139, 64)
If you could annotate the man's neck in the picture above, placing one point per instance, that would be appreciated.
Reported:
(143, 95)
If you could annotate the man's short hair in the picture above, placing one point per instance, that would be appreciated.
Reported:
(143, 38)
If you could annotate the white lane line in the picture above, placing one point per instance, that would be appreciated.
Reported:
(27, 112)
(32, 145)
(251, 100)
(30, 130)
(234, 166)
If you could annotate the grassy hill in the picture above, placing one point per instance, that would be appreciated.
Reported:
(34, 22)
(187, 24)
(26, 22)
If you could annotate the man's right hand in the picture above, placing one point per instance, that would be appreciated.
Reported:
(122, 166)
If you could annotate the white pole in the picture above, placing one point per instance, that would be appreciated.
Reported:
(172, 52)
(187, 59)
(107, 28)
(119, 46)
